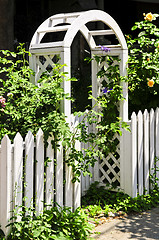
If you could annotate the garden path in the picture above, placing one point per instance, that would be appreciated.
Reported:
(144, 226)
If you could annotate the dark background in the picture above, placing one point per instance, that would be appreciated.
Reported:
(19, 19)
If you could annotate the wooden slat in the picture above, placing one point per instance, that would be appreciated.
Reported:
(134, 154)
(18, 172)
(68, 172)
(59, 175)
(50, 174)
(101, 32)
(152, 141)
(140, 153)
(39, 177)
(146, 151)
(157, 140)
(54, 29)
(40, 46)
(6, 189)
(77, 185)
(29, 168)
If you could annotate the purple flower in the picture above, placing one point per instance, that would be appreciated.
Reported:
(105, 49)
(106, 90)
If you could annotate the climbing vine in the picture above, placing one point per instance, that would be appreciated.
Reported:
(25, 106)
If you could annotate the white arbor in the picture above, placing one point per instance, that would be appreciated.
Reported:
(44, 55)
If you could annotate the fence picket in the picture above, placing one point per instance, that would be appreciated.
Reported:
(39, 176)
(59, 175)
(152, 140)
(146, 151)
(50, 173)
(134, 154)
(140, 152)
(77, 185)
(157, 140)
(18, 173)
(6, 189)
(68, 173)
(29, 168)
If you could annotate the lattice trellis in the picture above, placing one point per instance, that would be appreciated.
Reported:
(109, 167)
(45, 63)
(43, 59)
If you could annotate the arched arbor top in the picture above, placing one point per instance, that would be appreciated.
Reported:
(68, 25)
(71, 23)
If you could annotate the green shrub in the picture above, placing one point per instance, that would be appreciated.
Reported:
(118, 201)
(56, 223)
(143, 65)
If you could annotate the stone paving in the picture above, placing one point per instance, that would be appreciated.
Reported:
(144, 226)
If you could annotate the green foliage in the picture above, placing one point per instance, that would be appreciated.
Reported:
(25, 106)
(56, 223)
(103, 117)
(143, 65)
(30, 107)
(118, 201)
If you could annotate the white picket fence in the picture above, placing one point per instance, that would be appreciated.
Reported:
(140, 148)
(23, 174)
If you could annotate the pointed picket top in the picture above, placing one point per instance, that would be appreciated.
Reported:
(5, 139)
(39, 133)
(152, 112)
(133, 116)
(139, 115)
(29, 136)
(146, 113)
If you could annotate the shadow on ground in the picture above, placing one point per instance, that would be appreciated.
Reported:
(143, 226)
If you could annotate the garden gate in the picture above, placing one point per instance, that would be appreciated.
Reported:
(44, 55)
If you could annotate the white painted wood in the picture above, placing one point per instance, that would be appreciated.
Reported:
(94, 15)
(59, 175)
(68, 170)
(101, 32)
(46, 45)
(152, 140)
(134, 154)
(126, 163)
(157, 140)
(146, 151)
(6, 190)
(29, 168)
(77, 21)
(77, 185)
(53, 29)
(18, 173)
(50, 174)
(140, 153)
(39, 173)
(68, 186)
(123, 72)
(66, 58)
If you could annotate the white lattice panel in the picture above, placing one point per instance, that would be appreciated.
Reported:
(45, 63)
(109, 167)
